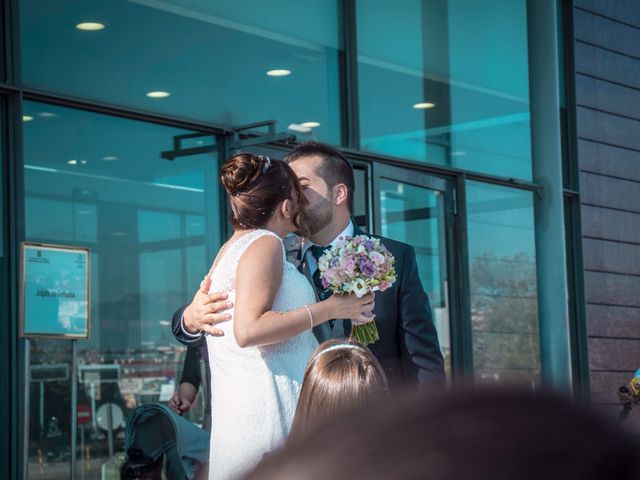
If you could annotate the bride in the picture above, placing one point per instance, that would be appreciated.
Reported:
(258, 365)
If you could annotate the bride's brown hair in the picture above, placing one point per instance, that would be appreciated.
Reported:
(257, 185)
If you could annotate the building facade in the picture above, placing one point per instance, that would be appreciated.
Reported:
(499, 138)
(607, 61)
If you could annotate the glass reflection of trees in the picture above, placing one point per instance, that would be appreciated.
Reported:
(504, 314)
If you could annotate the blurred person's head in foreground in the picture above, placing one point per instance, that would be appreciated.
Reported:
(341, 375)
(494, 435)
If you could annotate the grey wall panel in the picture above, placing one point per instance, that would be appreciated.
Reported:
(611, 257)
(613, 321)
(604, 385)
(606, 33)
(612, 289)
(607, 97)
(612, 193)
(607, 65)
(626, 11)
(614, 354)
(610, 224)
(609, 129)
(609, 160)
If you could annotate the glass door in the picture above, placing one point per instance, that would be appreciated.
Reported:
(418, 209)
(151, 217)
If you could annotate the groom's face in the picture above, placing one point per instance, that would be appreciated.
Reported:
(319, 210)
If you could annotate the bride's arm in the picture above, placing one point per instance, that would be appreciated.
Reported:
(258, 278)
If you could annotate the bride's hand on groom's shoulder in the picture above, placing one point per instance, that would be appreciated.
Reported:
(207, 310)
(351, 307)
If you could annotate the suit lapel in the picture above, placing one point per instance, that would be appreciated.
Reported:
(356, 229)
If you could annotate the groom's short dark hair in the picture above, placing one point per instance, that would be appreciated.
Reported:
(334, 169)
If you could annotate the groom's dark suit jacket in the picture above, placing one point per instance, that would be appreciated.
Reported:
(408, 348)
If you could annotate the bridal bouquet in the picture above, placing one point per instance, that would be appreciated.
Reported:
(358, 265)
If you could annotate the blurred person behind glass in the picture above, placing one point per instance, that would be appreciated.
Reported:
(190, 382)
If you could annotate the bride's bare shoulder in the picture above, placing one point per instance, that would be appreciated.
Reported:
(264, 250)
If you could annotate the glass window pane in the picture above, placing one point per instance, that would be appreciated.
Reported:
(416, 216)
(360, 198)
(504, 299)
(155, 226)
(211, 57)
(100, 182)
(447, 83)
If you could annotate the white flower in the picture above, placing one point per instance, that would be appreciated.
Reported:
(359, 287)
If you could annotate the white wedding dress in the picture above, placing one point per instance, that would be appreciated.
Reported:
(254, 391)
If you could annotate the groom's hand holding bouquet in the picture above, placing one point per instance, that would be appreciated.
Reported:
(358, 265)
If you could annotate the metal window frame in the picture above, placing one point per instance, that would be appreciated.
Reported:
(573, 218)
(13, 458)
(348, 68)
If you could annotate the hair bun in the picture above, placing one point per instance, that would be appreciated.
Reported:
(239, 172)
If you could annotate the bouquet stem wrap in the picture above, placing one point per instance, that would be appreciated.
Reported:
(358, 265)
(365, 333)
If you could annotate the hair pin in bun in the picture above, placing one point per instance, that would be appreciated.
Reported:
(267, 163)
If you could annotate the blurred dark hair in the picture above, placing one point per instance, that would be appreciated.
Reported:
(334, 169)
(257, 185)
(464, 434)
(341, 374)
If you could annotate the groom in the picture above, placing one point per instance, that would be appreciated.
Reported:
(408, 347)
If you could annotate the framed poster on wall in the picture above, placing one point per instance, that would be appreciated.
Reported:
(55, 291)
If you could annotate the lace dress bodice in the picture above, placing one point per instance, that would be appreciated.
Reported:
(254, 389)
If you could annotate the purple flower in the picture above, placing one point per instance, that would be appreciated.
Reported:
(367, 268)
(368, 245)
(325, 283)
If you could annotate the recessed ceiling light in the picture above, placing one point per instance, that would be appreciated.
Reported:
(83, 162)
(90, 26)
(83, 212)
(310, 124)
(118, 234)
(47, 115)
(27, 118)
(424, 105)
(457, 153)
(158, 94)
(72, 162)
(109, 158)
(279, 73)
(295, 127)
